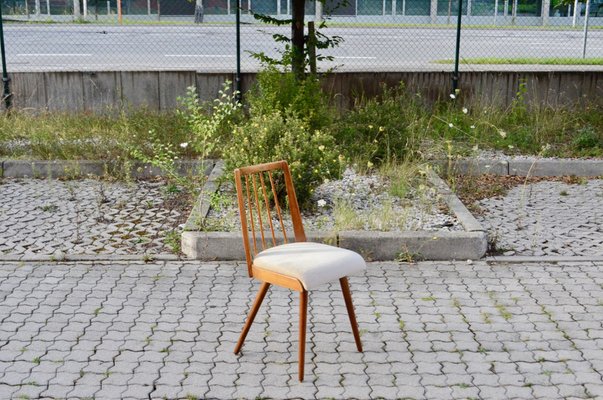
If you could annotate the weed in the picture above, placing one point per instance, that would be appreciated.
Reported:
(172, 240)
(49, 208)
(563, 193)
(36, 361)
(401, 324)
(430, 298)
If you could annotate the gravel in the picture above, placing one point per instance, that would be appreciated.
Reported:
(355, 202)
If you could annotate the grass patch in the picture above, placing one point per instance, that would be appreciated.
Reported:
(85, 136)
(527, 61)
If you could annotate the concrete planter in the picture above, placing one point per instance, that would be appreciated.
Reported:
(429, 245)
(526, 166)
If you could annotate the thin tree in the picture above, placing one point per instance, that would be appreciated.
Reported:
(77, 13)
(198, 11)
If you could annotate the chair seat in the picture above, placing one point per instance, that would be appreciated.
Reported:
(311, 263)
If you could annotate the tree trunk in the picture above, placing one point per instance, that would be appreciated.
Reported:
(199, 11)
(297, 38)
(77, 13)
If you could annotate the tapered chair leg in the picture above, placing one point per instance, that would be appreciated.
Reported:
(254, 310)
(303, 312)
(345, 288)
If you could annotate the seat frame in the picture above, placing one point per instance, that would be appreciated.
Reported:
(268, 278)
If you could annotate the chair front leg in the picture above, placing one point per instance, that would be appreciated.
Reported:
(254, 310)
(303, 312)
(345, 289)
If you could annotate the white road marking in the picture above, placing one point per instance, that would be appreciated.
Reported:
(54, 55)
(200, 55)
(356, 58)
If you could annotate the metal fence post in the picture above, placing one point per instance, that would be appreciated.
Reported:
(455, 75)
(238, 34)
(586, 13)
(5, 79)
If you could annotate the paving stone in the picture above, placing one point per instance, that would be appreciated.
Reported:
(85, 217)
(536, 219)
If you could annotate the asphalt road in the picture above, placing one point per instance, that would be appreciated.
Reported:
(212, 48)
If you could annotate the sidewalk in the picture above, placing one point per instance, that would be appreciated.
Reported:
(434, 330)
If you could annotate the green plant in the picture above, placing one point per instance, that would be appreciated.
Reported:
(209, 123)
(587, 138)
(378, 130)
(172, 240)
(277, 136)
(304, 100)
(345, 217)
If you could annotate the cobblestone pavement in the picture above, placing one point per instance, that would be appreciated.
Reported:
(85, 217)
(547, 218)
(433, 330)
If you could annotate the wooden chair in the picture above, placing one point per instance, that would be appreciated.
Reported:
(300, 266)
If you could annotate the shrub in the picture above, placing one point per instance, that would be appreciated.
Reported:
(587, 139)
(281, 91)
(376, 130)
(278, 136)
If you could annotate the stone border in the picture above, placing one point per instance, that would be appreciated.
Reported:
(527, 166)
(62, 257)
(82, 168)
(376, 246)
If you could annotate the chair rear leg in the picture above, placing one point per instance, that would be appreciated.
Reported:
(254, 310)
(345, 289)
(303, 312)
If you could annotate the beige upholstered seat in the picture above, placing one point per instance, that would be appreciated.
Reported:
(312, 263)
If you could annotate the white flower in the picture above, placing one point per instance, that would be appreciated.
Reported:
(321, 203)
(472, 127)
(184, 145)
(465, 111)
(452, 96)
(502, 133)
(450, 125)
(321, 147)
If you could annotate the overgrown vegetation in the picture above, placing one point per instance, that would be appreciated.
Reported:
(284, 118)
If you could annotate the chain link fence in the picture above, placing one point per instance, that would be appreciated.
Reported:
(378, 35)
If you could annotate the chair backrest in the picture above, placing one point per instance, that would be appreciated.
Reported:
(256, 211)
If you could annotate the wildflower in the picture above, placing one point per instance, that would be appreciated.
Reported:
(472, 126)
(381, 129)
(369, 164)
(450, 125)
(321, 147)
(452, 96)
(465, 111)
(326, 180)
(184, 145)
(502, 133)
(370, 126)
(321, 203)
(475, 148)
(511, 147)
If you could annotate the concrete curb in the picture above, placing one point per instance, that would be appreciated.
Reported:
(87, 257)
(202, 205)
(542, 259)
(82, 168)
(374, 246)
(525, 166)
